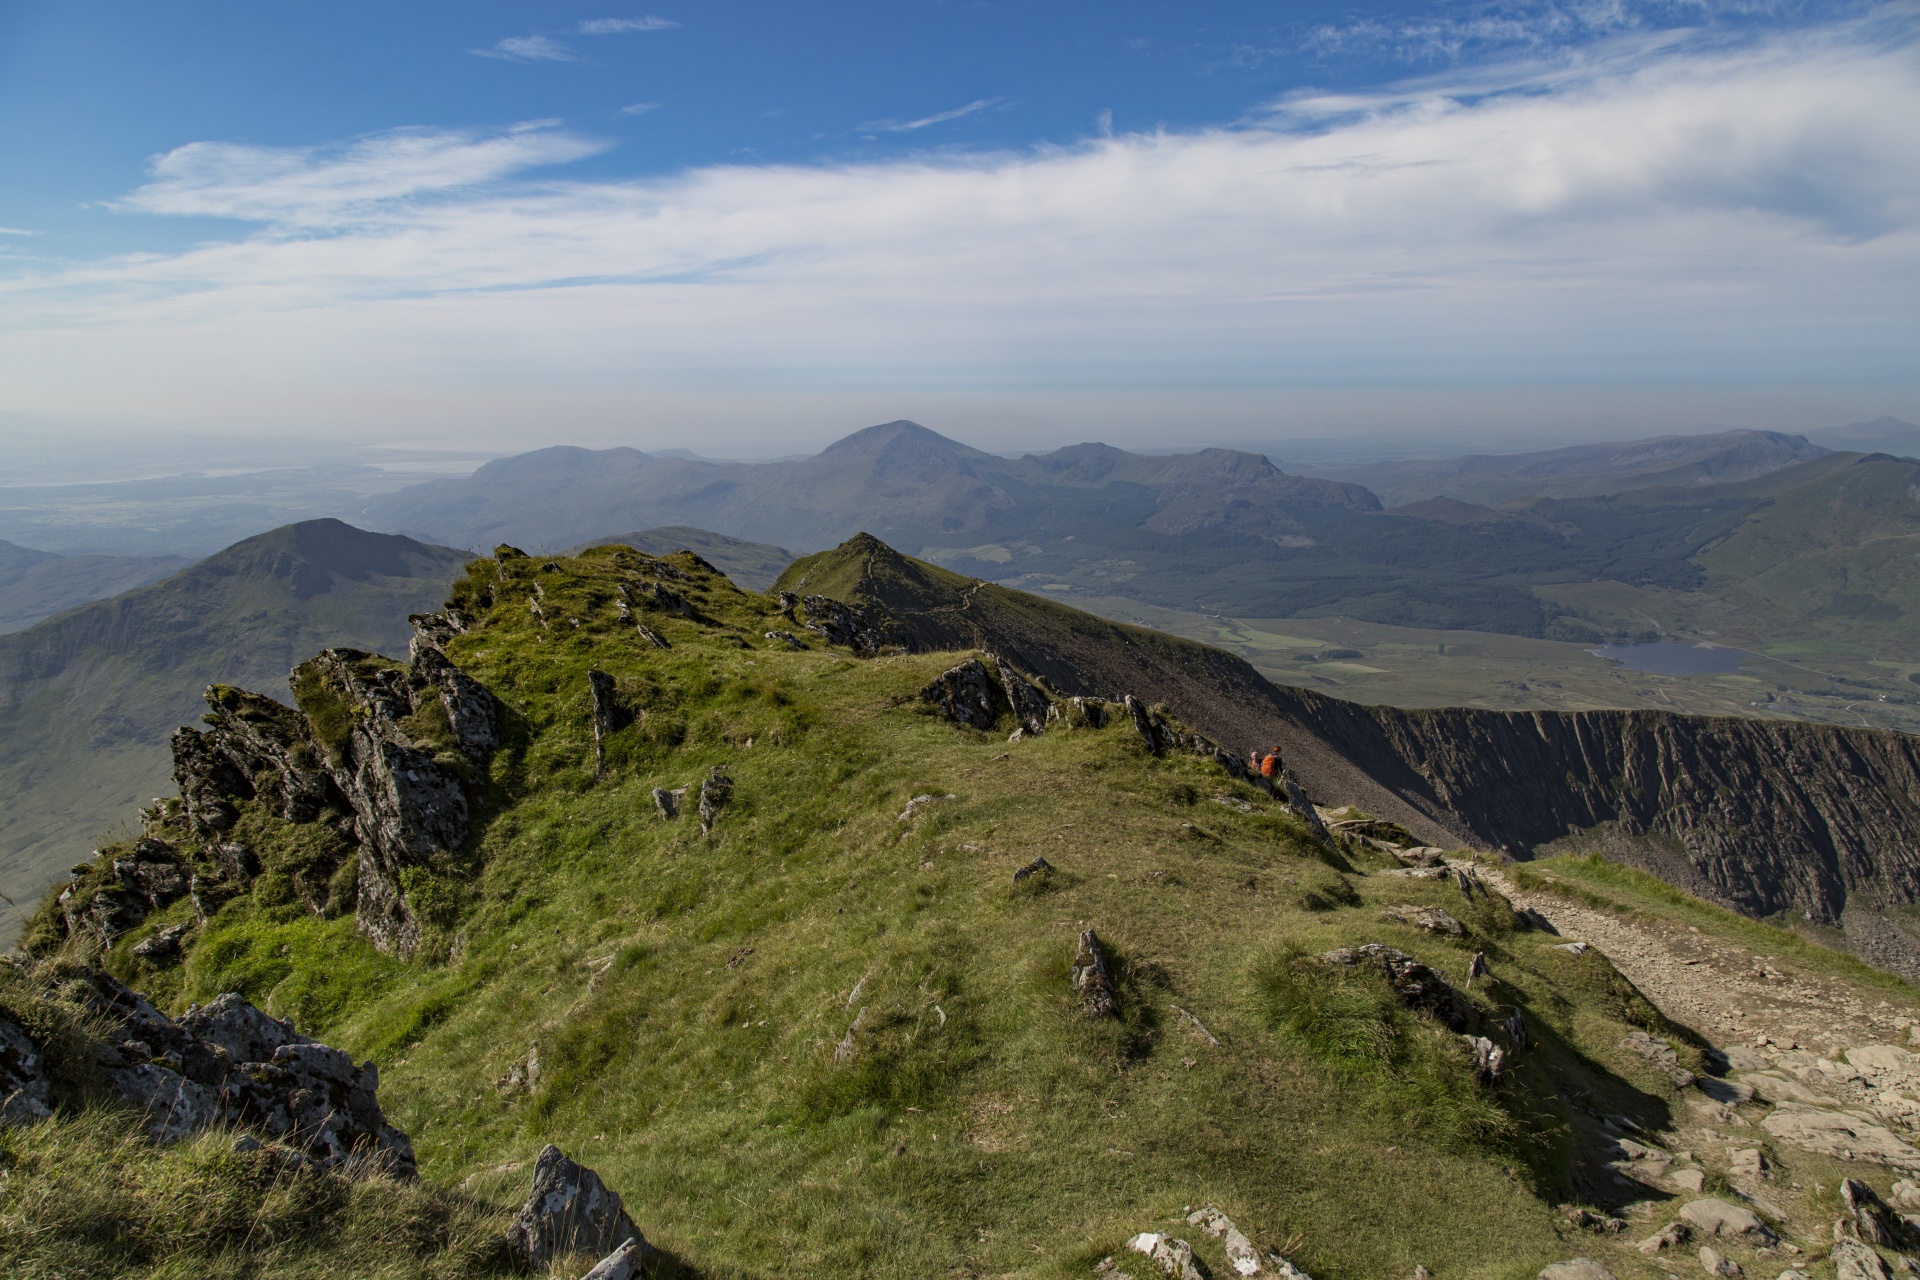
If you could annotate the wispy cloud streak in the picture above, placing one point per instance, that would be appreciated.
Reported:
(529, 49)
(908, 126)
(624, 26)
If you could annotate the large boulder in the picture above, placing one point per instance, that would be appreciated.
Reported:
(569, 1210)
(1838, 1133)
(1576, 1269)
(1853, 1260)
(314, 1097)
(1725, 1221)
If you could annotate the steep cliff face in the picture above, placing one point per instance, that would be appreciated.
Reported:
(1768, 817)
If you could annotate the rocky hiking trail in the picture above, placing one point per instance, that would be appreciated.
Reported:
(1818, 1106)
(1728, 993)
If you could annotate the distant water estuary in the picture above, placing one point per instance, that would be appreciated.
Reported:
(1674, 658)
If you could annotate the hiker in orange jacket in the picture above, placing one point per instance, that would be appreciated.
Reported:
(1270, 765)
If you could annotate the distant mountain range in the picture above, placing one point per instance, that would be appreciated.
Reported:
(39, 584)
(1587, 470)
(1229, 532)
(891, 480)
(88, 698)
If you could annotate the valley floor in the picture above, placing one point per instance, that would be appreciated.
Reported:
(1417, 667)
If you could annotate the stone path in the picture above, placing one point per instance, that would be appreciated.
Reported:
(1727, 993)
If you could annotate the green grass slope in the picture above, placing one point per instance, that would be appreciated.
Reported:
(1818, 559)
(834, 1037)
(88, 698)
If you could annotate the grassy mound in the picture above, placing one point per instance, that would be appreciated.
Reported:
(834, 1037)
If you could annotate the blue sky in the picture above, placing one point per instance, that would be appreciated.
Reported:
(714, 221)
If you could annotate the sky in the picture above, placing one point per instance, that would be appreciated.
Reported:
(753, 227)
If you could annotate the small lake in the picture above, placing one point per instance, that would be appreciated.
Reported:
(1674, 658)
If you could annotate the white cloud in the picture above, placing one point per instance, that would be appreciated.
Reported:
(323, 187)
(1679, 214)
(908, 126)
(624, 26)
(529, 49)
(16, 231)
(638, 109)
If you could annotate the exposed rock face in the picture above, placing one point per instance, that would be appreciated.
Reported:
(624, 1263)
(1091, 980)
(1576, 1269)
(610, 714)
(667, 803)
(24, 1087)
(1079, 712)
(406, 807)
(1431, 919)
(841, 624)
(434, 630)
(227, 1063)
(254, 747)
(352, 755)
(472, 712)
(569, 1210)
(964, 695)
(1417, 986)
(1836, 1133)
(1241, 1255)
(1868, 1215)
(1143, 723)
(1030, 706)
(1173, 1257)
(1762, 816)
(715, 794)
(1853, 1260)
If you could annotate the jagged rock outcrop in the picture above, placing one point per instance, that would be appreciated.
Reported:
(472, 712)
(361, 752)
(25, 1091)
(1030, 706)
(569, 1210)
(715, 794)
(406, 806)
(839, 623)
(226, 1063)
(964, 695)
(610, 714)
